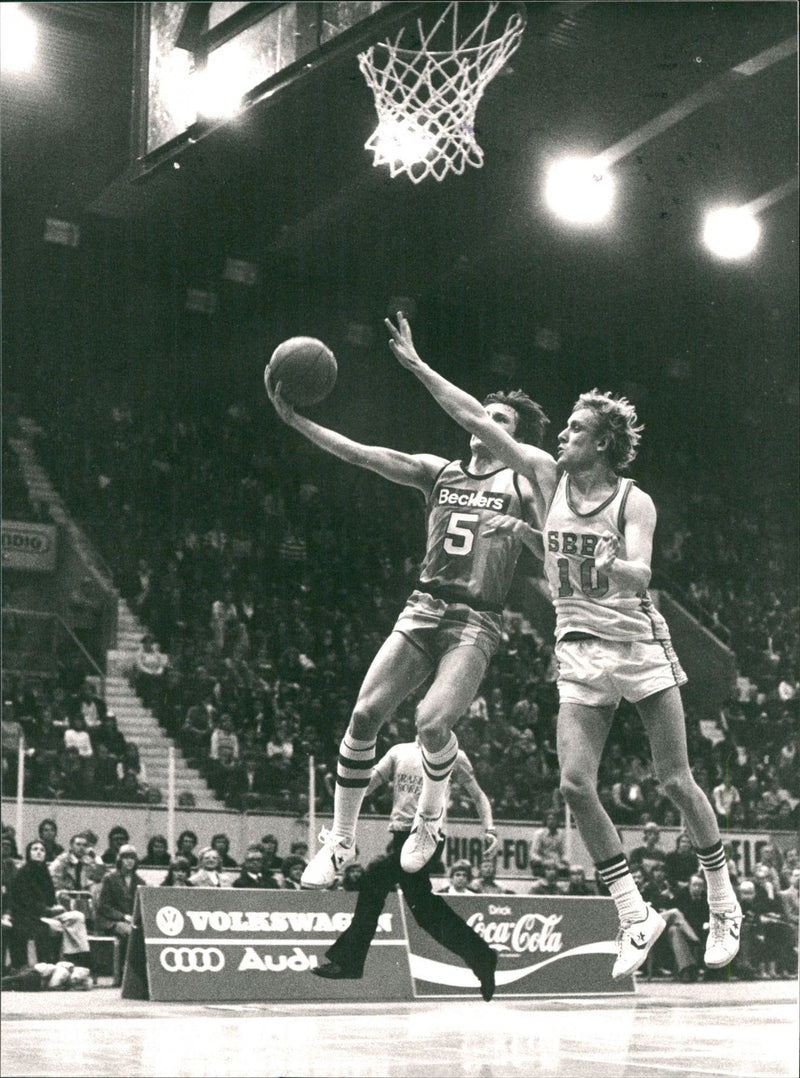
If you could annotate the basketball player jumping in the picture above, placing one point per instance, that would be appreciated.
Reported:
(451, 623)
(611, 642)
(402, 766)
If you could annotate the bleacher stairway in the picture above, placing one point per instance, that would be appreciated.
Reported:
(138, 723)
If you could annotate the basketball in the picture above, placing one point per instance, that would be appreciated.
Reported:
(306, 369)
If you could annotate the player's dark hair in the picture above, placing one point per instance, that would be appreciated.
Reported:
(617, 418)
(532, 421)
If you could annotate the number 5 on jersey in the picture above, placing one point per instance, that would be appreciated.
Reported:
(460, 535)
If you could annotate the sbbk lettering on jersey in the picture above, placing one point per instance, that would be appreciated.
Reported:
(530, 933)
(493, 500)
(582, 545)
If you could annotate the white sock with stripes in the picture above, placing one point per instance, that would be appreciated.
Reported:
(353, 770)
(436, 768)
(616, 875)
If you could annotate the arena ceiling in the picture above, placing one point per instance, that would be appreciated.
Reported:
(290, 187)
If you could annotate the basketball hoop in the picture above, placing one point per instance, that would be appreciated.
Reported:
(426, 97)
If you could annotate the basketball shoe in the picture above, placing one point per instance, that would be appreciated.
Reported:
(420, 846)
(722, 945)
(634, 940)
(334, 853)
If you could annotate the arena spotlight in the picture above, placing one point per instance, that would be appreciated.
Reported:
(216, 93)
(401, 144)
(579, 189)
(17, 38)
(731, 232)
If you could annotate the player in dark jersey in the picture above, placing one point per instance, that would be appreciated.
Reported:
(450, 626)
(611, 641)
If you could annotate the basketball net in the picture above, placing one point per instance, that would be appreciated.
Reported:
(426, 98)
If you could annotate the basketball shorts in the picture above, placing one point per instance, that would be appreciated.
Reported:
(436, 626)
(600, 673)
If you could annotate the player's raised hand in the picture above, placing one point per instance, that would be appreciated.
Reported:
(606, 552)
(402, 343)
(281, 406)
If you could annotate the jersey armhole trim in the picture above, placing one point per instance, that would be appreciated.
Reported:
(622, 504)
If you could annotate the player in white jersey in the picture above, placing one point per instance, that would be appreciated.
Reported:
(450, 626)
(402, 767)
(611, 644)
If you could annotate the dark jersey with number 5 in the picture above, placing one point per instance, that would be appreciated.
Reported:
(462, 564)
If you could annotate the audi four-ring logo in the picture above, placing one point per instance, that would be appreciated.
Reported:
(192, 959)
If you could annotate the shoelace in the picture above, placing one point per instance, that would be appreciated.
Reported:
(718, 927)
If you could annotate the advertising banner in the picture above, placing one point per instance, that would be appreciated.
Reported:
(230, 945)
(29, 546)
(220, 944)
(545, 945)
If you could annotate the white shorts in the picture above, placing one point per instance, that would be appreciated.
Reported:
(600, 673)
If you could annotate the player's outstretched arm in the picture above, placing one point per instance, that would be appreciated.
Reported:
(468, 412)
(411, 470)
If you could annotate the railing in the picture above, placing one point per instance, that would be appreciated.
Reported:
(40, 642)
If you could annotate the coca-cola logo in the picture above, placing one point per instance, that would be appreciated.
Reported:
(528, 934)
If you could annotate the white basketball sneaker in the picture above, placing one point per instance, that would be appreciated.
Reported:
(722, 944)
(334, 853)
(420, 846)
(634, 940)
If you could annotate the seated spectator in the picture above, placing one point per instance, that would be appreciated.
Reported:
(157, 852)
(196, 730)
(650, 853)
(117, 838)
(578, 884)
(352, 877)
(108, 734)
(679, 947)
(693, 904)
(187, 840)
(178, 875)
(69, 870)
(222, 844)
(292, 869)
(460, 876)
(36, 914)
(223, 736)
(548, 846)
(48, 831)
(77, 737)
(726, 797)
(208, 871)
(90, 706)
(106, 782)
(486, 884)
(547, 882)
(751, 959)
(115, 904)
(269, 846)
(253, 874)
(681, 864)
(780, 941)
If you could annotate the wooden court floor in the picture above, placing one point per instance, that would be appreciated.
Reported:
(727, 1029)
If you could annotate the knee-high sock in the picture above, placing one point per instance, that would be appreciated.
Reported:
(436, 768)
(718, 880)
(353, 770)
(616, 875)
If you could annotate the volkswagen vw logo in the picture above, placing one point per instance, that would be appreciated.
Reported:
(192, 959)
(169, 921)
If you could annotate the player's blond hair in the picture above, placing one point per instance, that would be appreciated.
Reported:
(615, 417)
